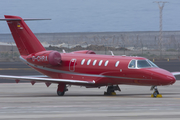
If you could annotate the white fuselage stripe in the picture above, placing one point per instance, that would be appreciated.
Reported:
(75, 73)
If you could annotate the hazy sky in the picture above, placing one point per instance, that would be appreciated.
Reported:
(92, 15)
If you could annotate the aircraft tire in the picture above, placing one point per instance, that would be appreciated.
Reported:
(155, 94)
(59, 93)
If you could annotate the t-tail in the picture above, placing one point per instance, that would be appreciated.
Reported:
(26, 41)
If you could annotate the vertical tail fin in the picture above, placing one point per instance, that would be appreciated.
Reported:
(24, 38)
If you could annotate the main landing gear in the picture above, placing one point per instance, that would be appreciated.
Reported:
(61, 89)
(111, 90)
(156, 92)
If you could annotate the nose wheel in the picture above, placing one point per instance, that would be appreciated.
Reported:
(156, 92)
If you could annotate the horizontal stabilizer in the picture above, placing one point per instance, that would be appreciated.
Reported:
(10, 19)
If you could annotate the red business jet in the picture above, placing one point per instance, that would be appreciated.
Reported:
(83, 68)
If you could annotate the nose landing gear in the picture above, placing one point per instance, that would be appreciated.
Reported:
(156, 92)
(111, 90)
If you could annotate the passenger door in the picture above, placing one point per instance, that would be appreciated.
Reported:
(72, 64)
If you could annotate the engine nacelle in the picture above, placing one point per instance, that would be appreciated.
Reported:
(45, 58)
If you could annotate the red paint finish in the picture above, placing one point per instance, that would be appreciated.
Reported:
(26, 41)
(99, 68)
(45, 58)
(61, 87)
(85, 52)
(108, 75)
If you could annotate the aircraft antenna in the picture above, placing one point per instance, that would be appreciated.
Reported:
(112, 53)
(64, 51)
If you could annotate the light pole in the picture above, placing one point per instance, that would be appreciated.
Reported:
(161, 6)
(12, 51)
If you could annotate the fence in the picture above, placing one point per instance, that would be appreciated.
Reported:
(145, 43)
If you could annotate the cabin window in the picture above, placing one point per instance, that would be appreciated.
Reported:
(82, 62)
(88, 62)
(94, 62)
(106, 63)
(117, 63)
(100, 62)
(132, 64)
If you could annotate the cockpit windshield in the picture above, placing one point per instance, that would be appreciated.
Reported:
(154, 65)
(141, 64)
(132, 64)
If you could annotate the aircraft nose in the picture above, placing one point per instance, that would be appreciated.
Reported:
(168, 79)
(163, 77)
